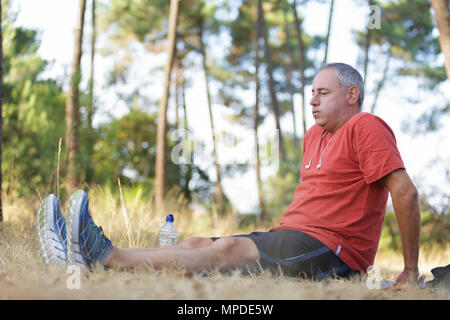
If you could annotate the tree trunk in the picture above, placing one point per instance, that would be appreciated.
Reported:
(442, 17)
(382, 81)
(91, 80)
(366, 53)
(177, 91)
(73, 107)
(273, 94)
(161, 130)
(91, 107)
(219, 190)
(1, 111)
(366, 47)
(327, 39)
(301, 48)
(190, 165)
(262, 207)
(289, 71)
(182, 101)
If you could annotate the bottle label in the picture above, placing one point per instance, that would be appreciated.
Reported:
(167, 240)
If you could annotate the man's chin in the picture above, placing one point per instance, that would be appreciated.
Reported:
(318, 122)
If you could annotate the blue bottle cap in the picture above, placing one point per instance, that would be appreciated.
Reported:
(169, 218)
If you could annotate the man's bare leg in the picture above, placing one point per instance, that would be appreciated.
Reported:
(194, 242)
(227, 252)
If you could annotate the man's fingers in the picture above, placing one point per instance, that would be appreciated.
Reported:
(409, 278)
(406, 281)
(421, 280)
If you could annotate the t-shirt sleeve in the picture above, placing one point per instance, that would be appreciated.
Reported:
(376, 148)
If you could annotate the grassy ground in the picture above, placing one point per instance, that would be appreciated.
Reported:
(24, 276)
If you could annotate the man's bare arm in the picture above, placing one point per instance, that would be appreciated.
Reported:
(406, 206)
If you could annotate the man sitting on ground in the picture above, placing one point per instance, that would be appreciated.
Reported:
(332, 227)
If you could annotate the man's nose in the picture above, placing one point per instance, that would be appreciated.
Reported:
(314, 100)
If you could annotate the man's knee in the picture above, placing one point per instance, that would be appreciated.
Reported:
(236, 249)
(196, 242)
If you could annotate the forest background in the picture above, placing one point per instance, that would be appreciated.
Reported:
(95, 92)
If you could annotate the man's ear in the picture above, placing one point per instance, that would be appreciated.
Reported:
(352, 96)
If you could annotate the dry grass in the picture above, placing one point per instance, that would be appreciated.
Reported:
(24, 276)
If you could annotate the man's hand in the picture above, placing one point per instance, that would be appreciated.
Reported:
(409, 277)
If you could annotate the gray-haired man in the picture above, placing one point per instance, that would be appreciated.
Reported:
(333, 225)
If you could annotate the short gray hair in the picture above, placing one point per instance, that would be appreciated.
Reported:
(348, 76)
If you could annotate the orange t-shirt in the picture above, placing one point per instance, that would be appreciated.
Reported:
(339, 200)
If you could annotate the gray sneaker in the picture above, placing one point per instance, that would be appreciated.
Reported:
(51, 229)
(86, 244)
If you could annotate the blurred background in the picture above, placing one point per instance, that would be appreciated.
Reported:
(87, 86)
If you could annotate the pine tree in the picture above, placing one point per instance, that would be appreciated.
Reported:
(73, 107)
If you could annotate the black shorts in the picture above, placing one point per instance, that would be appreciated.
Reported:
(296, 254)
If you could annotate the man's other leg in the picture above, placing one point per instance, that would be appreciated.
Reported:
(190, 243)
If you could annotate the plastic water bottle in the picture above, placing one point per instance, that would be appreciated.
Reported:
(168, 233)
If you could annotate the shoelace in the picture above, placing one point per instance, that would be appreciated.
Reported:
(61, 225)
(92, 250)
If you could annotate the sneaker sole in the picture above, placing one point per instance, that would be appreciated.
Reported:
(76, 201)
(50, 244)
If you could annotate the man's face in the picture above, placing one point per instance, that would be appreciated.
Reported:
(329, 105)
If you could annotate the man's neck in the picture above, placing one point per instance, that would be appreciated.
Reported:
(344, 120)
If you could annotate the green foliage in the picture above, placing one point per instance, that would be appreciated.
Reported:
(126, 148)
(237, 73)
(407, 33)
(429, 121)
(435, 231)
(141, 18)
(33, 114)
(279, 188)
(280, 192)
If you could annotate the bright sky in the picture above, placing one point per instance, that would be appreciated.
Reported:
(425, 157)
